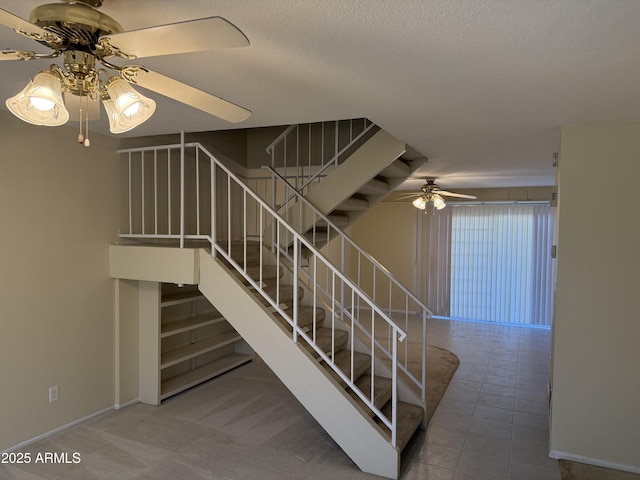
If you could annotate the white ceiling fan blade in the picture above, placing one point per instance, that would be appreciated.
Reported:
(186, 94)
(410, 195)
(211, 33)
(457, 195)
(26, 28)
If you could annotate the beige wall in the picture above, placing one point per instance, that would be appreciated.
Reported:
(388, 233)
(596, 352)
(126, 348)
(258, 139)
(60, 208)
(230, 143)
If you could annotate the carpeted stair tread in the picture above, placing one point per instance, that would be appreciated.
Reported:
(397, 169)
(381, 392)
(269, 272)
(324, 341)
(375, 186)
(409, 418)
(318, 235)
(238, 253)
(354, 204)
(286, 294)
(342, 359)
(305, 317)
(339, 219)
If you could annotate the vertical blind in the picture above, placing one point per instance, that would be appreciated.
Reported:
(500, 263)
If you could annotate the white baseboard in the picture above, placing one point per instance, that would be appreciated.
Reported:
(118, 406)
(65, 427)
(593, 461)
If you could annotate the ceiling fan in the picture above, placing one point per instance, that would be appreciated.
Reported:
(431, 194)
(85, 38)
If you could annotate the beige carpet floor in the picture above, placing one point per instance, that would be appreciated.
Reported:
(580, 471)
(441, 366)
(243, 425)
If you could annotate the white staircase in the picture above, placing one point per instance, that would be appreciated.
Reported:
(342, 353)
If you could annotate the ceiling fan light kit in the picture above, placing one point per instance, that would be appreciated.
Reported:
(84, 36)
(430, 199)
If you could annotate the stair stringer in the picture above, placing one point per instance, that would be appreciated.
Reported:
(359, 437)
(372, 157)
(405, 392)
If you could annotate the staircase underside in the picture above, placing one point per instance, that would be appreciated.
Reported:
(360, 437)
(367, 176)
(365, 441)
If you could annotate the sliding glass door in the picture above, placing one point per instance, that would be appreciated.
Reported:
(499, 263)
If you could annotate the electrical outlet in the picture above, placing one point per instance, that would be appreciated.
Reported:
(53, 394)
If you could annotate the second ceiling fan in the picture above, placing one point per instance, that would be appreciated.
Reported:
(431, 195)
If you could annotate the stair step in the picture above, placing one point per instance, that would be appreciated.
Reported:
(318, 236)
(381, 392)
(286, 294)
(354, 204)
(375, 186)
(338, 219)
(305, 317)
(269, 272)
(397, 169)
(239, 244)
(409, 419)
(324, 341)
(238, 252)
(342, 359)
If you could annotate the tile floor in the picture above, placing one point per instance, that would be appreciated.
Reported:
(492, 423)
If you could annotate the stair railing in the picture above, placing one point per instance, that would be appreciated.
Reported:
(210, 203)
(309, 150)
(400, 304)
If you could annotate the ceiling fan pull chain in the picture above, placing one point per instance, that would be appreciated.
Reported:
(80, 136)
(87, 142)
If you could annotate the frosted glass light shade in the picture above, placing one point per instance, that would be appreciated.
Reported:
(126, 108)
(420, 202)
(40, 102)
(438, 201)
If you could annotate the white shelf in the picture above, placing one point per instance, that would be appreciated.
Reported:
(189, 324)
(180, 298)
(173, 357)
(185, 344)
(206, 372)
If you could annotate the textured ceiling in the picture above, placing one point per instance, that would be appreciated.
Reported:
(480, 87)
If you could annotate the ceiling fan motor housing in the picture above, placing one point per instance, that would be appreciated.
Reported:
(78, 23)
